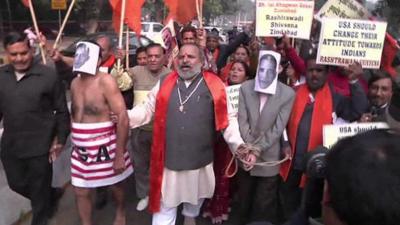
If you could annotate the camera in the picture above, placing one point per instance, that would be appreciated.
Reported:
(314, 164)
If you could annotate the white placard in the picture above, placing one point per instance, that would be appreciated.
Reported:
(267, 72)
(333, 133)
(232, 93)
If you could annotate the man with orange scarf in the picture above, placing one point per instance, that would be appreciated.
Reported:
(316, 104)
(189, 108)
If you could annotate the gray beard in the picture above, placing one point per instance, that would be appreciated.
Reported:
(189, 74)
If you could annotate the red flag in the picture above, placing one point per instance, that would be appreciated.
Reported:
(26, 3)
(133, 14)
(390, 49)
(182, 11)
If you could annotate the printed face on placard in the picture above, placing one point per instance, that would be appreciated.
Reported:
(267, 72)
(86, 58)
(167, 38)
(81, 55)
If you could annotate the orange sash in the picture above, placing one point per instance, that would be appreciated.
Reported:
(216, 54)
(109, 62)
(224, 74)
(322, 114)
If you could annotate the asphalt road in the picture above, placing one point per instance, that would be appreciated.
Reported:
(67, 212)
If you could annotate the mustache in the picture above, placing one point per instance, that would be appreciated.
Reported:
(184, 66)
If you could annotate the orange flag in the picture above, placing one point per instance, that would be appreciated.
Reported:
(26, 3)
(133, 14)
(182, 11)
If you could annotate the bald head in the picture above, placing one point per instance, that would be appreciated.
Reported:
(106, 46)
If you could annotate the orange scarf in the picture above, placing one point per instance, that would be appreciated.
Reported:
(216, 54)
(109, 62)
(218, 93)
(224, 74)
(321, 115)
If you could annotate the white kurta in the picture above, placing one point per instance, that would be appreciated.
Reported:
(187, 186)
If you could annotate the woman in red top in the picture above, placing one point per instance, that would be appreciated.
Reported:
(242, 53)
(219, 206)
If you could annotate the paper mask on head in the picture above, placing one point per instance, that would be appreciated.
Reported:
(267, 72)
(86, 58)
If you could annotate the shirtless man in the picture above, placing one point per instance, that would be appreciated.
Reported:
(99, 157)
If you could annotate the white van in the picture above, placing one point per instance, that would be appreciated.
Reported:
(152, 30)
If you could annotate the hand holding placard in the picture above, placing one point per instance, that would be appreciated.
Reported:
(354, 71)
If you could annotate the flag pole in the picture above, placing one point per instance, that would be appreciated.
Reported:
(121, 30)
(127, 48)
(201, 12)
(63, 24)
(37, 31)
(199, 9)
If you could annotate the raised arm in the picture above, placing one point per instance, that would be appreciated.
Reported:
(231, 133)
(297, 62)
(352, 108)
(143, 113)
(242, 38)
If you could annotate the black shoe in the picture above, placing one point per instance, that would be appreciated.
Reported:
(101, 198)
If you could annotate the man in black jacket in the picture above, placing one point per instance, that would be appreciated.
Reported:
(393, 112)
(220, 53)
(36, 124)
(380, 91)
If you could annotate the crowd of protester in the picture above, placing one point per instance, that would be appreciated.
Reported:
(269, 127)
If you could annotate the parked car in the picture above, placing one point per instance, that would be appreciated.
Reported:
(152, 30)
(133, 44)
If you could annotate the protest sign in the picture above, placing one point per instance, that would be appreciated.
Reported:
(345, 41)
(232, 92)
(267, 72)
(58, 4)
(274, 18)
(169, 42)
(333, 133)
(342, 9)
